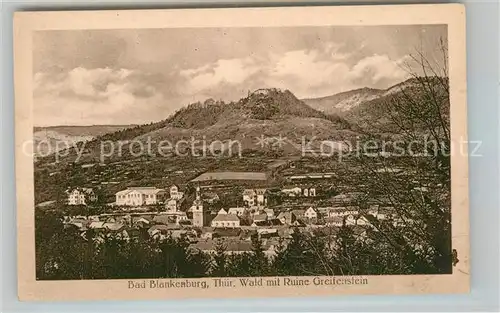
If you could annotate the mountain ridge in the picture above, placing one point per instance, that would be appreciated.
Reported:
(269, 112)
(343, 101)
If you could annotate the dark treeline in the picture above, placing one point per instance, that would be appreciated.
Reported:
(64, 254)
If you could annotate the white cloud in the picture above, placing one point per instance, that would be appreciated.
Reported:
(94, 96)
(380, 68)
(307, 73)
(84, 96)
(231, 71)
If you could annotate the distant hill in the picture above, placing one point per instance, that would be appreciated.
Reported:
(49, 139)
(90, 130)
(412, 97)
(267, 112)
(272, 113)
(344, 101)
(262, 104)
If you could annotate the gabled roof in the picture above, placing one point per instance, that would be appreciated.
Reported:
(185, 222)
(267, 230)
(143, 190)
(260, 217)
(161, 219)
(80, 189)
(249, 192)
(236, 210)
(287, 215)
(147, 217)
(208, 176)
(114, 226)
(161, 228)
(298, 213)
(226, 218)
(299, 222)
(274, 222)
(96, 225)
(141, 220)
(341, 197)
(123, 192)
(358, 230)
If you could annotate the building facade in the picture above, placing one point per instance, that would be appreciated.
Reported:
(255, 197)
(81, 196)
(138, 196)
(175, 193)
(226, 221)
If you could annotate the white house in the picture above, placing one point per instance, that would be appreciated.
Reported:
(292, 192)
(249, 197)
(309, 192)
(81, 196)
(133, 196)
(362, 221)
(261, 197)
(380, 213)
(226, 220)
(342, 211)
(311, 213)
(175, 193)
(176, 216)
(171, 205)
(286, 218)
(269, 212)
(255, 197)
(236, 211)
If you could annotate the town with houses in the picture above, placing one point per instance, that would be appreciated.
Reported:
(263, 173)
(194, 212)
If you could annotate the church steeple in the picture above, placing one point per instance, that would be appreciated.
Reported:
(197, 209)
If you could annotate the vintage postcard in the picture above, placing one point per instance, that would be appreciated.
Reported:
(241, 152)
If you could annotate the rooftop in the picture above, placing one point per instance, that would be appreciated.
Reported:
(208, 176)
(226, 218)
(145, 190)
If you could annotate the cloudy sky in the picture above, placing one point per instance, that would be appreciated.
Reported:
(86, 77)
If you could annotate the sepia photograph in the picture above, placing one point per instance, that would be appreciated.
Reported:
(219, 157)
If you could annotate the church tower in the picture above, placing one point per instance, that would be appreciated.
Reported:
(197, 209)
